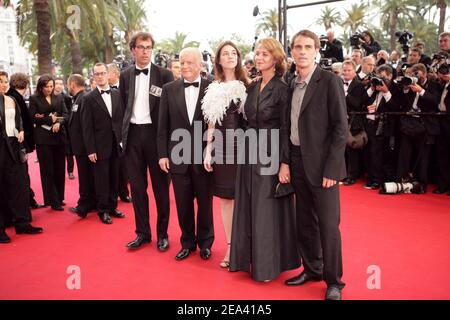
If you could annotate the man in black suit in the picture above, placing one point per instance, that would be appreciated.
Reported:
(334, 47)
(180, 112)
(140, 88)
(443, 140)
(101, 121)
(318, 134)
(355, 97)
(87, 201)
(114, 83)
(422, 96)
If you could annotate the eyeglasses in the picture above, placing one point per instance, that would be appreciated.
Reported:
(142, 48)
(99, 74)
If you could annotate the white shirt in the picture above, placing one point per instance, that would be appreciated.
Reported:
(141, 105)
(380, 95)
(191, 95)
(362, 75)
(346, 86)
(107, 99)
(442, 106)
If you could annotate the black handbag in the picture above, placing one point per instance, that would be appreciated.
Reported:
(412, 126)
(283, 190)
(357, 141)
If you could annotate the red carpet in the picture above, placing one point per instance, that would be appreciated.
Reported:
(406, 236)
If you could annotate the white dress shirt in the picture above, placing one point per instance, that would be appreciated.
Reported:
(442, 106)
(191, 95)
(347, 85)
(141, 105)
(107, 99)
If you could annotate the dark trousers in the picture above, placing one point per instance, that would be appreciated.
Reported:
(70, 163)
(187, 187)
(318, 218)
(354, 165)
(374, 153)
(32, 195)
(14, 185)
(106, 180)
(86, 183)
(443, 154)
(123, 178)
(52, 167)
(141, 155)
(417, 164)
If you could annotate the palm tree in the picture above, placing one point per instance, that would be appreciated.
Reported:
(355, 17)
(41, 9)
(329, 17)
(176, 44)
(268, 23)
(133, 17)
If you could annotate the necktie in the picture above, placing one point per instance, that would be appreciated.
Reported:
(105, 91)
(139, 71)
(188, 84)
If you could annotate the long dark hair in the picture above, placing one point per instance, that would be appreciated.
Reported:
(239, 72)
(42, 82)
(370, 36)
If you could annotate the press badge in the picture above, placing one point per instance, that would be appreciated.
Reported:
(155, 91)
(75, 108)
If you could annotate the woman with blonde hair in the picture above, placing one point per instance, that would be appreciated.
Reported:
(263, 240)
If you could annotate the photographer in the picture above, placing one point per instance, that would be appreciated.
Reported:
(382, 57)
(355, 98)
(333, 48)
(383, 95)
(417, 134)
(444, 42)
(443, 140)
(367, 67)
(368, 43)
(424, 59)
(394, 59)
(414, 56)
(357, 59)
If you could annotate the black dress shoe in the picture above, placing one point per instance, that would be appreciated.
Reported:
(438, 191)
(71, 176)
(138, 242)
(105, 217)
(4, 237)
(349, 182)
(205, 253)
(36, 205)
(301, 279)
(163, 244)
(333, 293)
(117, 214)
(82, 214)
(57, 208)
(184, 253)
(126, 199)
(63, 203)
(28, 229)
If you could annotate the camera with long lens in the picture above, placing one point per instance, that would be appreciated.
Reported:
(326, 63)
(323, 43)
(205, 55)
(354, 40)
(162, 59)
(406, 81)
(404, 38)
(440, 62)
(402, 187)
(377, 81)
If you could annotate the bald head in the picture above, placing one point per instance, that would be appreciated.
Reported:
(330, 35)
(191, 63)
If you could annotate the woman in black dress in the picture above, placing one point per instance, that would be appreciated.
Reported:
(221, 107)
(263, 240)
(48, 112)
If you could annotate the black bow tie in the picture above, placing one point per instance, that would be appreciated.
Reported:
(346, 83)
(138, 71)
(188, 84)
(105, 91)
(114, 87)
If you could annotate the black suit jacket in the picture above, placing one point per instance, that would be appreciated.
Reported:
(323, 127)
(429, 102)
(18, 124)
(334, 50)
(356, 99)
(158, 77)
(173, 115)
(101, 132)
(74, 126)
(39, 105)
(26, 120)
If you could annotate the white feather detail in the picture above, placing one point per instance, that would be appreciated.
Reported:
(218, 97)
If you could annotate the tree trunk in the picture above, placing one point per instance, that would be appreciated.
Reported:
(42, 11)
(393, 28)
(441, 4)
(75, 52)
